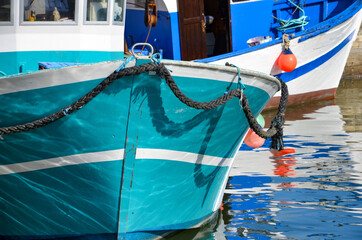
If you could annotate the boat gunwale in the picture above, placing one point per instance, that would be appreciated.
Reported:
(166, 62)
(229, 69)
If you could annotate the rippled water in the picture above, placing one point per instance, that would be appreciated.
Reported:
(315, 193)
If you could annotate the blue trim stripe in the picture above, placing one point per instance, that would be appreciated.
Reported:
(288, 76)
(331, 23)
(176, 48)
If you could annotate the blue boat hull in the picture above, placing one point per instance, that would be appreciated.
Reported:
(133, 163)
(321, 34)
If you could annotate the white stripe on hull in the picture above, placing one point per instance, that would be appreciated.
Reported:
(114, 155)
(77, 159)
(162, 154)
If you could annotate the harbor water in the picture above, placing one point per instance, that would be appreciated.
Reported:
(314, 193)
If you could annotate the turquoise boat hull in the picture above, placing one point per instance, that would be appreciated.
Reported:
(134, 163)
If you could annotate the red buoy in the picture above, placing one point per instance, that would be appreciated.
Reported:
(287, 61)
(253, 140)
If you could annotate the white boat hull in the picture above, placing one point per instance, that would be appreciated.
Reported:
(321, 61)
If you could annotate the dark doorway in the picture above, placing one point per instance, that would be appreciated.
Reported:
(204, 28)
(218, 32)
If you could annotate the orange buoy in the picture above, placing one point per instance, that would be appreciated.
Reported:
(253, 140)
(287, 61)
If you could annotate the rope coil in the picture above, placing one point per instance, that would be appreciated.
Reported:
(275, 131)
(293, 23)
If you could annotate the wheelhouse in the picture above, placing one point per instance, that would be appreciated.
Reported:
(198, 29)
(74, 31)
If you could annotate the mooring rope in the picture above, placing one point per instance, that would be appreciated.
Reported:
(227, 96)
(80, 102)
(275, 131)
(293, 23)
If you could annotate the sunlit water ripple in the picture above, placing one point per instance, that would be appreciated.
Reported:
(314, 193)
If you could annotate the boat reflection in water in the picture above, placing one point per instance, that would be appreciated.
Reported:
(314, 193)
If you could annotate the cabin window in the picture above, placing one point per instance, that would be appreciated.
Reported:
(4, 10)
(97, 10)
(118, 11)
(49, 10)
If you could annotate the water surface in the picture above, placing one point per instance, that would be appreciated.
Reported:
(315, 193)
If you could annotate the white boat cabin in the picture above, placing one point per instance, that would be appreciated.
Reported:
(74, 31)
